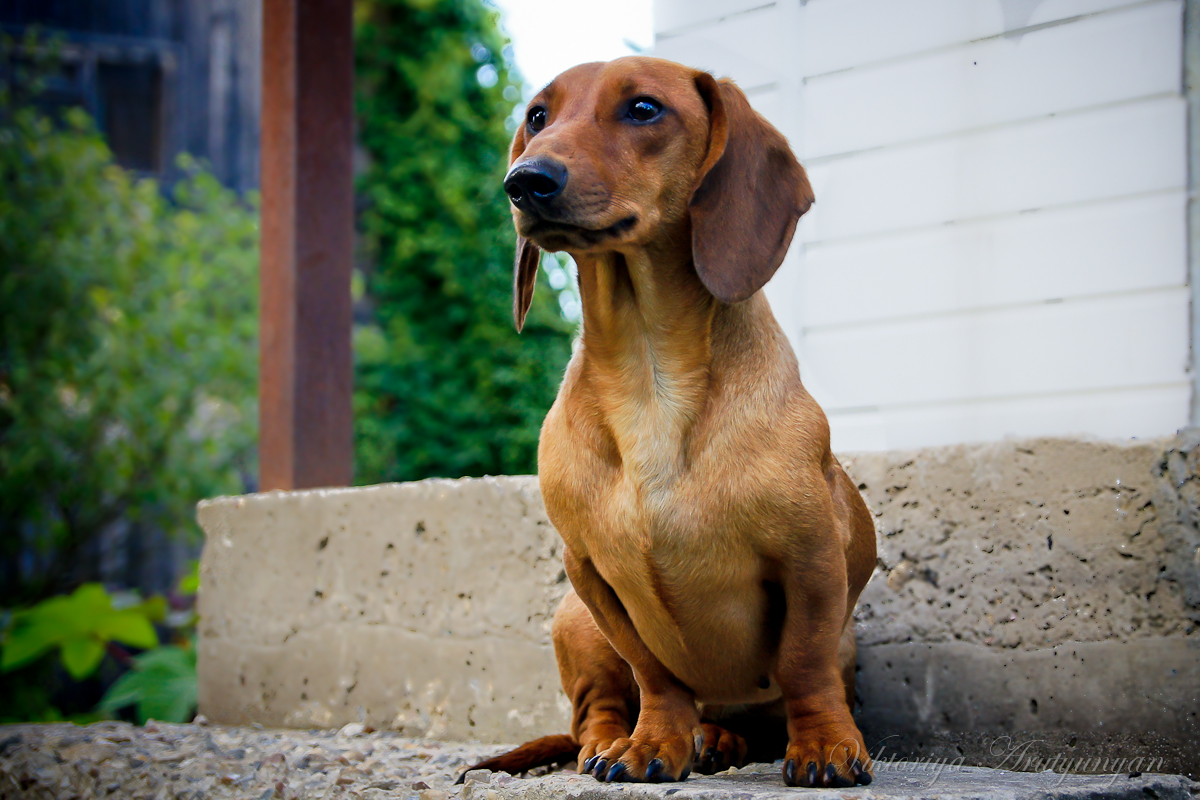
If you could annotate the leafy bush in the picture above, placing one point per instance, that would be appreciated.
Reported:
(79, 626)
(444, 386)
(160, 682)
(127, 360)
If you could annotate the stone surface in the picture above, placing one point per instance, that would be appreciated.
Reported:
(1032, 544)
(1024, 587)
(199, 761)
(1110, 686)
(894, 781)
(423, 608)
(1032, 587)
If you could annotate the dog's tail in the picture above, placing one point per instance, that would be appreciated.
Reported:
(559, 749)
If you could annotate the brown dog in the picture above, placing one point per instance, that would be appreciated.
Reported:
(715, 546)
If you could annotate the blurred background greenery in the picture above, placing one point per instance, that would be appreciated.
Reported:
(128, 364)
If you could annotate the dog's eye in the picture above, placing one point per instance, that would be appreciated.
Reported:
(643, 109)
(536, 119)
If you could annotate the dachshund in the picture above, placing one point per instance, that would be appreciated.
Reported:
(714, 544)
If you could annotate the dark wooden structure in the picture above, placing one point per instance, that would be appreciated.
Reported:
(305, 421)
(160, 77)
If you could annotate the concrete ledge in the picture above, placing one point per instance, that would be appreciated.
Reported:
(1044, 587)
(1153, 685)
(423, 608)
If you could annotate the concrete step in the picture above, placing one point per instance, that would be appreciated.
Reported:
(1044, 589)
(119, 761)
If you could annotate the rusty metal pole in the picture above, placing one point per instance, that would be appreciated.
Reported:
(306, 372)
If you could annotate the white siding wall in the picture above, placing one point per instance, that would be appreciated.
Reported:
(999, 243)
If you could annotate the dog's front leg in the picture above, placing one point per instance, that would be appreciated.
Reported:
(668, 731)
(825, 747)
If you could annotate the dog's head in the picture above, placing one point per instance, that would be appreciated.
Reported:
(641, 151)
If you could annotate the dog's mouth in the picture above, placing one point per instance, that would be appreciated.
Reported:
(552, 234)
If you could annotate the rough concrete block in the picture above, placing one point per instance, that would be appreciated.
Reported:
(1046, 589)
(421, 607)
(1034, 543)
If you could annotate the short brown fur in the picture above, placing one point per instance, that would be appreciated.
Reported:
(715, 546)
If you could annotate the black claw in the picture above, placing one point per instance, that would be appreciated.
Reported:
(591, 762)
(684, 775)
(709, 761)
(833, 780)
(616, 773)
(812, 773)
(789, 773)
(861, 776)
(654, 769)
(600, 768)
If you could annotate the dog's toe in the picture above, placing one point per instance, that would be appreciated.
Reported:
(720, 750)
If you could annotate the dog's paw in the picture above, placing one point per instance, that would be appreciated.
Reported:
(649, 760)
(588, 754)
(832, 756)
(721, 750)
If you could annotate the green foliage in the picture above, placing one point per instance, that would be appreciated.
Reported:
(444, 386)
(127, 360)
(161, 685)
(189, 584)
(79, 626)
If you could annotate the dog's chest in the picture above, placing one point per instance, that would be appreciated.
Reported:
(676, 557)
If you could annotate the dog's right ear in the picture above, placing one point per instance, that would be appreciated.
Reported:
(529, 255)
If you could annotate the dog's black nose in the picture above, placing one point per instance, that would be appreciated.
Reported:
(535, 183)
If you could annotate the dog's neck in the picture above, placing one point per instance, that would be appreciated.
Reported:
(646, 348)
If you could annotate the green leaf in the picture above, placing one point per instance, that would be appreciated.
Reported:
(153, 608)
(34, 632)
(25, 643)
(78, 625)
(124, 691)
(81, 656)
(90, 600)
(190, 584)
(128, 627)
(162, 684)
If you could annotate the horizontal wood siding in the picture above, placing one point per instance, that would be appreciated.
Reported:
(999, 243)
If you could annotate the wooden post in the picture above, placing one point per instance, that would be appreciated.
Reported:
(306, 368)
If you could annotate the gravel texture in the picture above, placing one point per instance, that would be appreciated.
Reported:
(899, 780)
(160, 761)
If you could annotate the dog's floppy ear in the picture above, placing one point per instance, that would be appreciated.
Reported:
(525, 266)
(750, 194)
(529, 255)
